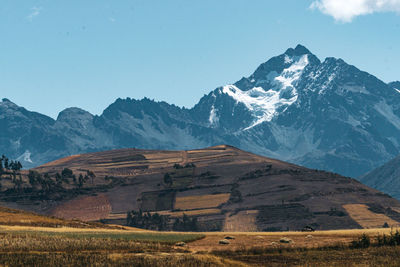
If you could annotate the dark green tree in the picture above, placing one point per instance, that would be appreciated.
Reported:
(167, 179)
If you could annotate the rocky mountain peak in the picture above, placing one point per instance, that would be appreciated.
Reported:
(73, 113)
(299, 50)
(7, 103)
(328, 115)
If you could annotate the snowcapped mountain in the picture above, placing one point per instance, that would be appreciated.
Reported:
(326, 115)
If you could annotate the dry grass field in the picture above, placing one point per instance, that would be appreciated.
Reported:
(28, 239)
(67, 246)
(175, 214)
(368, 219)
(248, 240)
(200, 202)
(15, 218)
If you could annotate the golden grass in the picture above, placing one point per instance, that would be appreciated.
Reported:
(23, 218)
(61, 229)
(117, 234)
(45, 246)
(338, 256)
(345, 232)
(36, 247)
(396, 209)
(116, 216)
(200, 202)
(189, 212)
(366, 218)
(248, 240)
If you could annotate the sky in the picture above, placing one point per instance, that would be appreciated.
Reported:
(57, 54)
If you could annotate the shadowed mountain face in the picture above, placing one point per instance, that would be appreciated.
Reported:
(327, 115)
(395, 85)
(385, 178)
(225, 188)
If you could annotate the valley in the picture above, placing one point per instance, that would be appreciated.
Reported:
(200, 133)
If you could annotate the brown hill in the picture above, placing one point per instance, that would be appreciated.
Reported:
(14, 217)
(223, 187)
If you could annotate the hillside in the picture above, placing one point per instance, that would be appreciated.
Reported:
(290, 108)
(13, 217)
(385, 178)
(224, 188)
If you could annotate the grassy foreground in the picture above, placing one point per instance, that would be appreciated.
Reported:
(40, 246)
(25, 246)
(329, 256)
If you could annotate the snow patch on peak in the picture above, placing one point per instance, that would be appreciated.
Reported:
(213, 119)
(293, 73)
(266, 104)
(398, 91)
(288, 60)
(263, 104)
(26, 157)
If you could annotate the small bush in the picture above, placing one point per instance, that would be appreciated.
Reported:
(363, 242)
(389, 240)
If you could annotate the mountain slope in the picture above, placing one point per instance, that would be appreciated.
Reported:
(24, 133)
(321, 114)
(327, 115)
(385, 178)
(223, 187)
(395, 85)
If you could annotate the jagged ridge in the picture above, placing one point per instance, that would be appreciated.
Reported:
(327, 115)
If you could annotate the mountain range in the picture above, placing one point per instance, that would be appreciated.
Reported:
(320, 114)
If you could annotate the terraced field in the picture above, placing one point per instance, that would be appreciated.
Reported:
(224, 188)
(200, 202)
(368, 219)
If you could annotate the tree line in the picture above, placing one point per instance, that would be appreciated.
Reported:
(7, 165)
(44, 184)
(50, 183)
(155, 221)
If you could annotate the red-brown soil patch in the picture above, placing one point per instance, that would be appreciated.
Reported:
(89, 208)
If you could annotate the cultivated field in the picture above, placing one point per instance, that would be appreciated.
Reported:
(200, 202)
(223, 188)
(14, 218)
(368, 219)
(28, 239)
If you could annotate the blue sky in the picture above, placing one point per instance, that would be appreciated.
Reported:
(58, 54)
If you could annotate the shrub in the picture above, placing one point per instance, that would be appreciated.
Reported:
(363, 242)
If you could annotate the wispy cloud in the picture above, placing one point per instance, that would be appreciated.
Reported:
(111, 19)
(347, 10)
(35, 11)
